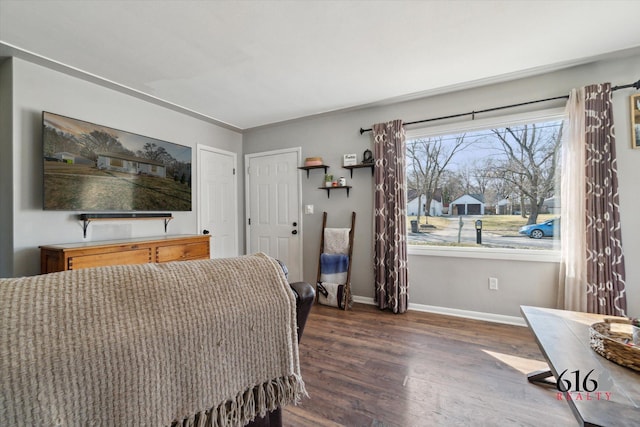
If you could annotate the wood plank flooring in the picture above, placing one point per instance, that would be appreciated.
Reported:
(367, 367)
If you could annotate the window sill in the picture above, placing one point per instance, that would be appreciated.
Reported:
(486, 253)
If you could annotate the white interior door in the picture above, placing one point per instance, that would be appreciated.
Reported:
(218, 201)
(273, 207)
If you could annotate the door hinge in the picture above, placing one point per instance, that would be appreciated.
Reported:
(249, 221)
(234, 171)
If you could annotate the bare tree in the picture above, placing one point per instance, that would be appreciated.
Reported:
(531, 153)
(56, 140)
(415, 179)
(477, 175)
(100, 142)
(427, 160)
(484, 175)
(452, 186)
(152, 151)
(504, 190)
(466, 175)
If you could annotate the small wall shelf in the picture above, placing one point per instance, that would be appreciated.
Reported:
(347, 187)
(87, 218)
(308, 168)
(359, 166)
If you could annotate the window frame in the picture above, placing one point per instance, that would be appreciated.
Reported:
(547, 255)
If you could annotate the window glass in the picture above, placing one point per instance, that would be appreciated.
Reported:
(488, 187)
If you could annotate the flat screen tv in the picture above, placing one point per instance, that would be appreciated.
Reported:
(89, 167)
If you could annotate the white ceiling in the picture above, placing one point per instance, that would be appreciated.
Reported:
(252, 63)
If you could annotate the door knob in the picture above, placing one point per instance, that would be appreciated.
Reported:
(294, 232)
(205, 231)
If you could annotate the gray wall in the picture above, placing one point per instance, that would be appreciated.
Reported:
(455, 283)
(36, 88)
(6, 168)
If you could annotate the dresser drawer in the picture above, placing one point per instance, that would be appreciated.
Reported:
(183, 252)
(135, 256)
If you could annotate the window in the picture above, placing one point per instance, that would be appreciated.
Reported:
(502, 172)
(115, 162)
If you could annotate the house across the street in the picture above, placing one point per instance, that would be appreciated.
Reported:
(469, 204)
(130, 164)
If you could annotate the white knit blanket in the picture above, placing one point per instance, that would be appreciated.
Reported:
(336, 240)
(193, 342)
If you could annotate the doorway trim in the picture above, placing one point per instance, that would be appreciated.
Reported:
(234, 156)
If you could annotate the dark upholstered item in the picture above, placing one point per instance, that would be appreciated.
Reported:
(305, 295)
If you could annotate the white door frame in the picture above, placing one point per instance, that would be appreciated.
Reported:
(234, 156)
(247, 198)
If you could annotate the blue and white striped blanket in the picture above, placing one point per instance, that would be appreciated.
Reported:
(333, 268)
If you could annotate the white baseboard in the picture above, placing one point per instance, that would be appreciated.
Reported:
(468, 314)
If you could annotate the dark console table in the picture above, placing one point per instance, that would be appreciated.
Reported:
(602, 393)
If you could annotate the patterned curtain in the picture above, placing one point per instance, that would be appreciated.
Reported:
(592, 274)
(605, 260)
(390, 257)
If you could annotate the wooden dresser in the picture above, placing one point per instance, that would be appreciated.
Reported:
(74, 256)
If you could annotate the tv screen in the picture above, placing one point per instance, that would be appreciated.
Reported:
(89, 167)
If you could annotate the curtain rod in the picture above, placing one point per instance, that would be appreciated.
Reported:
(635, 85)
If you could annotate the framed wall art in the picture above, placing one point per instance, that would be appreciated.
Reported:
(90, 167)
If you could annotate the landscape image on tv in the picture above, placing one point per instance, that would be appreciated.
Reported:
(88, 167)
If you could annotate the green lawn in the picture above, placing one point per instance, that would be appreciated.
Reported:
(81, 187)
(506, 225)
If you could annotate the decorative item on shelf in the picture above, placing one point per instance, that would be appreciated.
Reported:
(334, 183)
(349, 160)
(342, 181)
(328, 180)
(616, 344)
(313, 161)
(367, 157)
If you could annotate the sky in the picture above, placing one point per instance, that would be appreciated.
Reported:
(131, 141)
(485, 145)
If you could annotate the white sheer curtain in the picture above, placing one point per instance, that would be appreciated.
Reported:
(592, 269)
(573, 264)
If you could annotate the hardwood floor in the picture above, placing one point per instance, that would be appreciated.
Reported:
(367, 367)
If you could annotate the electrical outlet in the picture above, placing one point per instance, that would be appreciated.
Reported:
(493, 283)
